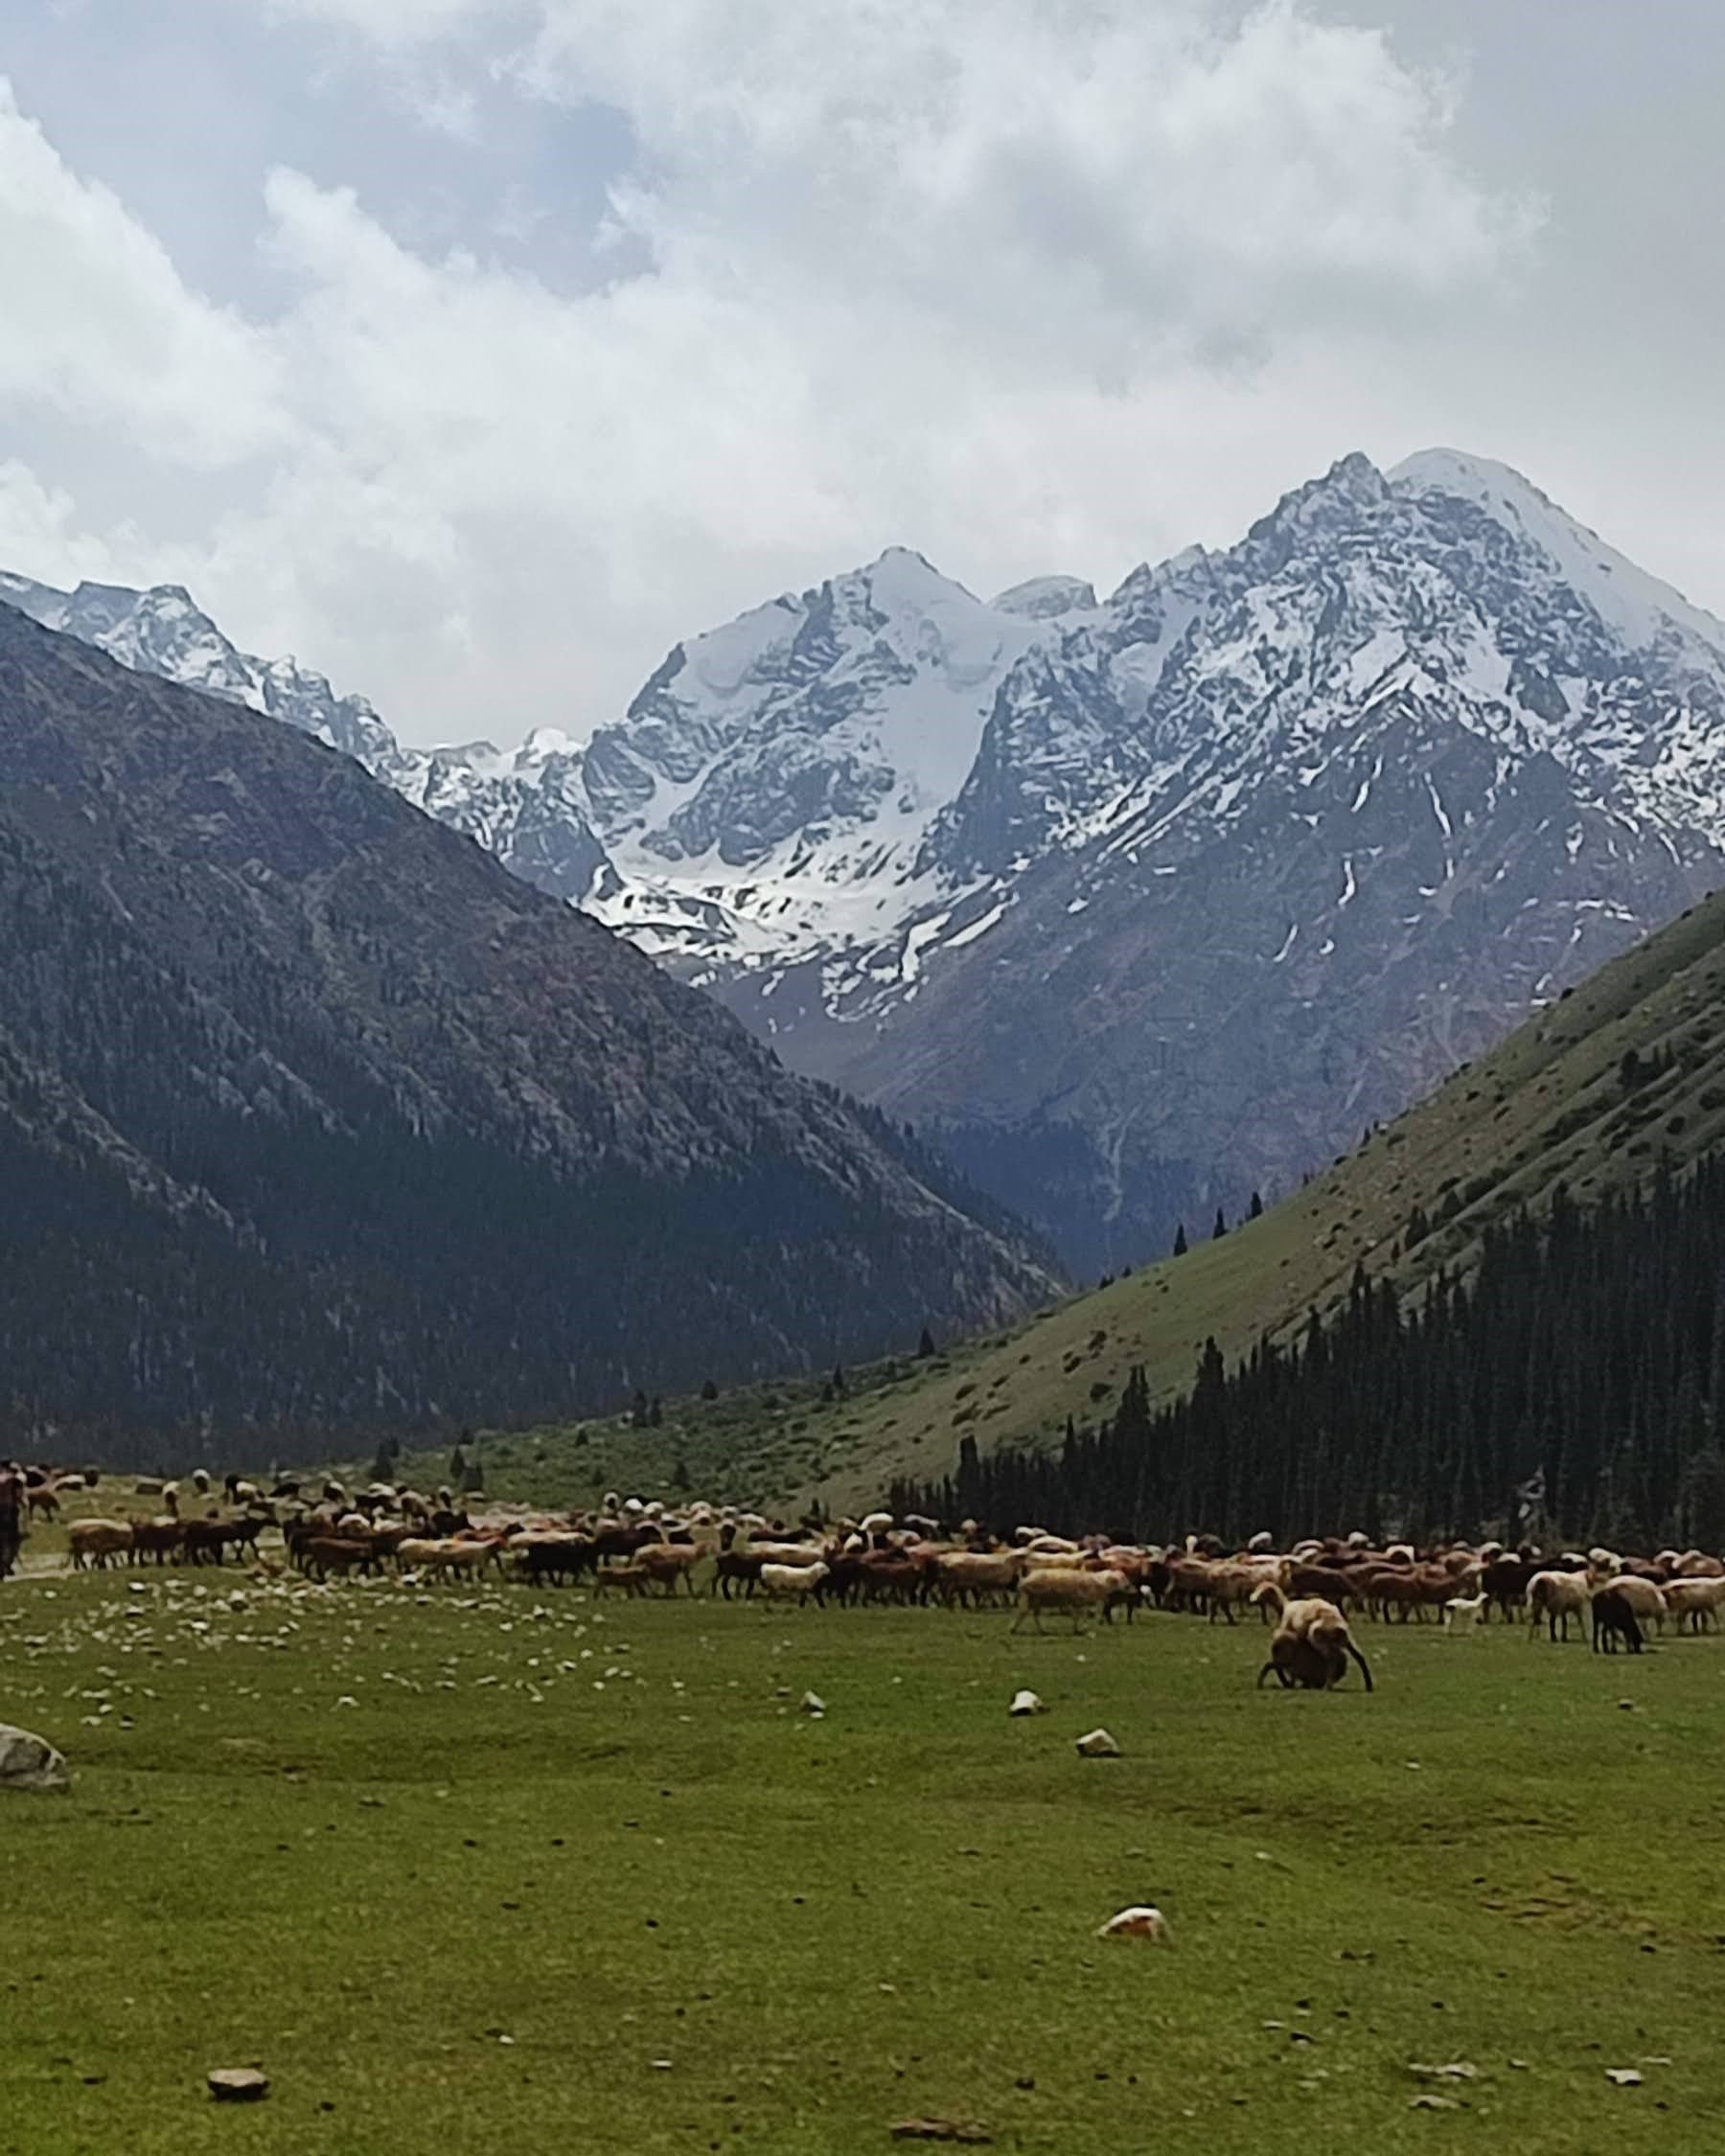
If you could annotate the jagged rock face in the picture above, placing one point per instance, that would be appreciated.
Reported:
(311, 1116)
(528, 808)
(1149, 902)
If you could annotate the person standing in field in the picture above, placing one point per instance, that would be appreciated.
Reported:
(11, 1514)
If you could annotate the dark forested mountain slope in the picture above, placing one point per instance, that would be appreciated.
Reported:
(312, 1115)
(1616, 1082)
(1574, 1383)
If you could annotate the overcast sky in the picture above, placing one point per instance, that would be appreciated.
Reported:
(477, 350)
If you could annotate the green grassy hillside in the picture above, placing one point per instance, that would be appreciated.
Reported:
(1553, 1104)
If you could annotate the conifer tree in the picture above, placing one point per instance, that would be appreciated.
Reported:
(1180, 1240)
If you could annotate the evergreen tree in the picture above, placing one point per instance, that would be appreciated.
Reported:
(1221, 1228)
(709, 1390)
(638, 1411)
(655, 1413)
(925, 1347)
(1256, 1210)
(1179, 1239)
(1568, 1386)
(458, 1469)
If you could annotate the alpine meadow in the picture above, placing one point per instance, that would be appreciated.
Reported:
(861, 1089)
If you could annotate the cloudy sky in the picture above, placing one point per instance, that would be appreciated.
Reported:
(476, 350)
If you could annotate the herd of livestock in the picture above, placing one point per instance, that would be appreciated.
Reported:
(627, 1546)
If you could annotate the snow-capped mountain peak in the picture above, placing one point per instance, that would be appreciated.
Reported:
(1138, 899)
(1635, 605)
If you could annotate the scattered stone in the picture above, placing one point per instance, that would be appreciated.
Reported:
(30, 1762)
(1097, 1744)
(1026, 1702)
(1458, 2070)
(1143, 1920)
(1624, 2077)
(939, 2129)
(239, 2084)
(811, 1703)
(1431, 2102)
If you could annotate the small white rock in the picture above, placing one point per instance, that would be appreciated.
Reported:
(1026, 1702)
(1097, 1744)
(811, 1703)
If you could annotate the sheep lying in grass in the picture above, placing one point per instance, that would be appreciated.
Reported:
(1311, 1645)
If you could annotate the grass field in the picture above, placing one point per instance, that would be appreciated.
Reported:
(506, 1871)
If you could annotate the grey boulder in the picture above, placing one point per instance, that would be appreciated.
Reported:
(30, 1762)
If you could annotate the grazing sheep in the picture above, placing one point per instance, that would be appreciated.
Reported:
(1073, 1590)
(41, 1500)
(159, 1538)
(96, 1542)
(1644, 1597)
(961, 1574)
(1614, 1621)
(670, 1562)
(621, 1579)
(1698, 1598)
(324, 1554)
(795, 1583)
(1557, 1596)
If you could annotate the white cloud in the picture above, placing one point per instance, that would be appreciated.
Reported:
(99, 326)
(1001, 283)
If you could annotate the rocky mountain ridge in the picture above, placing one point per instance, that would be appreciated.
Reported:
(1145, 902)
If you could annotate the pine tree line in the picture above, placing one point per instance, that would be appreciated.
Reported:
(1573, 1385)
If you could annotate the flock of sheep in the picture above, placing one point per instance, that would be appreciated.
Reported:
(630, 1547)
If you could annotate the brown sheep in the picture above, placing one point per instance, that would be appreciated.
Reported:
(95, 1543)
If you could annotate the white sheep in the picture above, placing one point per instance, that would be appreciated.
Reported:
(1557, 1596)
(1462, 1611)
(1073, 1590)
(1646, 1597)
(793, 1583)
(1700, 1600)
